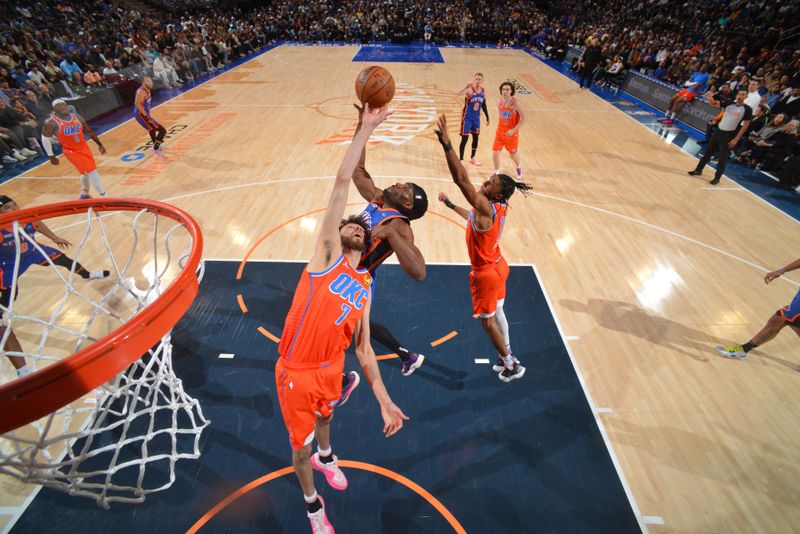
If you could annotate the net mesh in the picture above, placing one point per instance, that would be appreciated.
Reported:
(120, 441)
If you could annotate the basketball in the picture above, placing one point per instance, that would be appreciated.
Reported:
(375, 86)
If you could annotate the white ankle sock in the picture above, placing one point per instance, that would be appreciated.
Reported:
(94, 179)
(311, 498)
(326, 452)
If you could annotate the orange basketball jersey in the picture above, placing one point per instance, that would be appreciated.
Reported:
(509, 118)
(323, 316)
(70, 133)
(483, 247)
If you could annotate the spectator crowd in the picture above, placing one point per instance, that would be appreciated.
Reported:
(71, 48)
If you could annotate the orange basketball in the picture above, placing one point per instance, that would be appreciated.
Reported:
(375, 86)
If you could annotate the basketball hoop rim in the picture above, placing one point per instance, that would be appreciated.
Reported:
(29, 398)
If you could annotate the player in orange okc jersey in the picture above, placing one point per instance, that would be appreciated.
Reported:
(69, 128)
(331, 302)
(510, 120)
(489, 273)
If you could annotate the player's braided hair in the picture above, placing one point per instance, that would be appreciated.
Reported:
(510, 185)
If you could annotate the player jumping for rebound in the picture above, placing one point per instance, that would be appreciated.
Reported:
(332, 300)
(474, 102)
(489, 273)
(69, 129)
(29, 255)
(510, 120)
(388, 217)
(141, 112)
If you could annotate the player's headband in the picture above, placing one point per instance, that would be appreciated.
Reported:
(420, 202)
(58, 101)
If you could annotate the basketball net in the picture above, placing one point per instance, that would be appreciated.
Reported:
(121, 440)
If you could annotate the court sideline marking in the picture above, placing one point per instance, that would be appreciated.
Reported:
(595, 411)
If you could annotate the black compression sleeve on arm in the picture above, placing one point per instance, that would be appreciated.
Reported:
(485, 110)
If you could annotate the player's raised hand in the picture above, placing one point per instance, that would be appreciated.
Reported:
(54, 160)
(393, 419)
(441, 130)
(62, 243)
(360, 110)
(373, 117)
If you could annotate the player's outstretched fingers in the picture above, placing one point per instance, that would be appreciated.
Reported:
(393, 420)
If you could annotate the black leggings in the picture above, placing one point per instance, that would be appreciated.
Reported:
(157, 135)
(66, 262)
(464, 145)
(381, 334)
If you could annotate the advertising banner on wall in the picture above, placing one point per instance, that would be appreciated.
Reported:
(657, 94)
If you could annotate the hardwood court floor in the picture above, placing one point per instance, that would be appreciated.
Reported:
(647, 268)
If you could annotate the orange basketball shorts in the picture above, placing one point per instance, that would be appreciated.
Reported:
(488, 285)
(82, 159)
(687, 95)
(501, 140)
(305, 394)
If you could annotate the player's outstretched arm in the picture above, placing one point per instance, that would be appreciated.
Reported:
(393, 417)
(769, 277)
(329, 245)
(49, 130)
(458, 209)
(466, 90)
(459, 174)
(401, 238)
(43, 229)
(92, 135)
(361, 178)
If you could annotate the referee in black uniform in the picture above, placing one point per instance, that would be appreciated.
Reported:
(726, 136)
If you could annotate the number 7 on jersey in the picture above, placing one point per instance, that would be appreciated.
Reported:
(345, 310)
